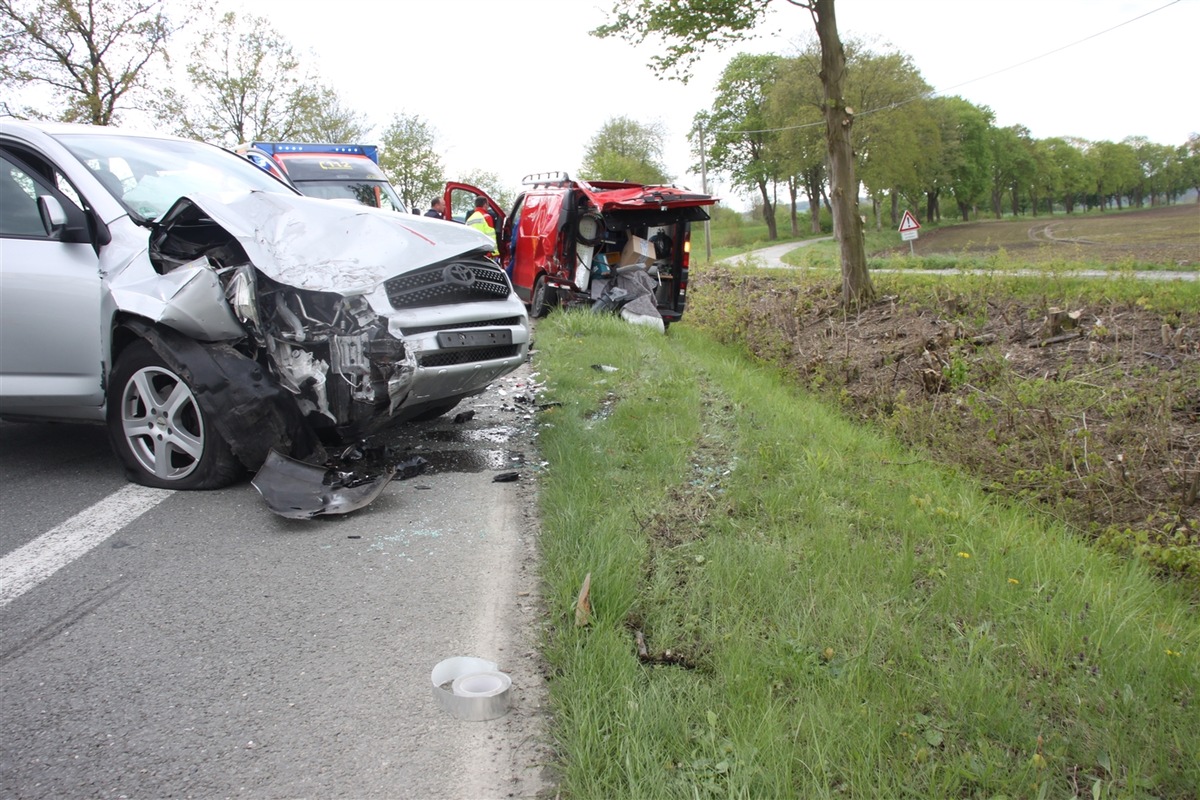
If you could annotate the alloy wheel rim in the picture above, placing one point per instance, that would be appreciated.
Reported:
(162, 423)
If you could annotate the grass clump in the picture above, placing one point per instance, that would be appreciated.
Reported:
(823, 613)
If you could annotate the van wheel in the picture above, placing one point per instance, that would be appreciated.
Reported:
(159, 430)
(539, 301)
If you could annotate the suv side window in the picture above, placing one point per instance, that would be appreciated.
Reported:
(18, 199)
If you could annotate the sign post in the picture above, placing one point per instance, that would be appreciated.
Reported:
(908, 229)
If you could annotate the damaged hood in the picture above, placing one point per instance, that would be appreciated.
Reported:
(612, 196)
(325, 245)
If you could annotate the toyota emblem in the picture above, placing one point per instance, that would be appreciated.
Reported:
(459, 274)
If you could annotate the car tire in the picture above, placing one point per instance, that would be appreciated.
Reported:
(539, 301)
(160, 431)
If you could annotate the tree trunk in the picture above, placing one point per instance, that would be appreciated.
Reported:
(768, 212)
(895, 209)
(857, 289)
(1016, 200)
(812, 189)
(997, 200)
(965, 210)
(792, 193)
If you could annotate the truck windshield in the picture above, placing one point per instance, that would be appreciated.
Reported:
(341, 177)
(379, 194)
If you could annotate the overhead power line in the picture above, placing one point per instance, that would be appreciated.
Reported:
(934, 92)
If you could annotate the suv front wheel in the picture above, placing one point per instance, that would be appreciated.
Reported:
(159, 430)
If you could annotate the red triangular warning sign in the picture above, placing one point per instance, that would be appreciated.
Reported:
(909, 222)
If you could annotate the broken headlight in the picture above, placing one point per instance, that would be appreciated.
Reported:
(241, 292)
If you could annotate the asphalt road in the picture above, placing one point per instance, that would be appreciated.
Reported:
(204, 647)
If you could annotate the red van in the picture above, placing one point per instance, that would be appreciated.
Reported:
(619, 245)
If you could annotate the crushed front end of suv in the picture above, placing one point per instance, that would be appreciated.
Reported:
(209, 314)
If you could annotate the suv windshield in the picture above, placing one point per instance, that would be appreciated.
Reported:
(147, 175)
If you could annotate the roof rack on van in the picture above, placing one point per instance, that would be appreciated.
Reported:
(555, 178)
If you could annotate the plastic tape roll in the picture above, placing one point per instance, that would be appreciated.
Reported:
(478, 689)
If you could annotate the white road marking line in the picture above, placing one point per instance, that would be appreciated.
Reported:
(32, 563)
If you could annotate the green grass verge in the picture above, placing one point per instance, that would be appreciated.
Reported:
(825, 614)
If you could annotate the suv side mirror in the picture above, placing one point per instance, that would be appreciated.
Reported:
(54, 216)
(58, 224)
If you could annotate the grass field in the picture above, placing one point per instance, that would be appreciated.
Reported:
(786, 604)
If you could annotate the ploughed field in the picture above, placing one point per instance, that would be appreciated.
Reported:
(1165, 237)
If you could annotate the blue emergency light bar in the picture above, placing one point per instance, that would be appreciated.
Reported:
(368, 150)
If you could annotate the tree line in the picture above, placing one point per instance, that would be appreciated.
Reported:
(914, 150)
(819, 124)
(103, 62)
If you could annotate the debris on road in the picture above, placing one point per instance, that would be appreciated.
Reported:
(300, 490)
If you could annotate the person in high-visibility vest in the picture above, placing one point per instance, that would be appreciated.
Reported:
(481, 220)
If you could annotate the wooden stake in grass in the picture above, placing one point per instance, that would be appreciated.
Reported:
(583, 604)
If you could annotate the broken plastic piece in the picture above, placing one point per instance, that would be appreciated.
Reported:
(299, 490)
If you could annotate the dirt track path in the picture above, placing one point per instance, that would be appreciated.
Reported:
(1044, 232)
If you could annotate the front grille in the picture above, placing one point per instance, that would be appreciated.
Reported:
(448, 358)
(461, 281)
(503, 322)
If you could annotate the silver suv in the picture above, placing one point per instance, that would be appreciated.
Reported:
(208, 313)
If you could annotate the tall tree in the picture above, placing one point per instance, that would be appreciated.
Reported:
(409, 159)
(1115, 170)
(794, 110)
(1011, 165)
(1073, 178)
(323, 117)
(492, 186)
(91, 55)
(685, 27)
(1046, 183)
(890, 142)
(969, 164)
(738, 126)
(1191, 164)
(626, 150)
(247, 83)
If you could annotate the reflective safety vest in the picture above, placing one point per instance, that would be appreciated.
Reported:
(479, 221)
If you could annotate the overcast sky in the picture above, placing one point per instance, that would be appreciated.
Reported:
(519, 86)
